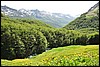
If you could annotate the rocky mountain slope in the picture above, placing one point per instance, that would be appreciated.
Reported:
(54, 19)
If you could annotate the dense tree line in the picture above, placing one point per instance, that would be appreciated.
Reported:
(21, 38)
(20, 41)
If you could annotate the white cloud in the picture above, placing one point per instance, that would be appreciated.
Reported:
(65, 7)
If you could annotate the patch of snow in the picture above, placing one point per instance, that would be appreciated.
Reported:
(67, 16)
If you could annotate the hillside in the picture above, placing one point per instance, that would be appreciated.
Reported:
(26, 40)
(61, 56)
(21, 38)
(23, 20)
(23, 34)
(90, 19)
(53, 19)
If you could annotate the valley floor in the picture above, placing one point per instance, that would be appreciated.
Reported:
(62, 56)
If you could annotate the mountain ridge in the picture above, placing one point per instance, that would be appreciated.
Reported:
(54, 19)
(90, 19)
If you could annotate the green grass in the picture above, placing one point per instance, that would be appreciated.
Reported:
(61, 56)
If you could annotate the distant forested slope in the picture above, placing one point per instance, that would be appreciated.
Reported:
(89, 20)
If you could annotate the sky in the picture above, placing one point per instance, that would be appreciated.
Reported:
(65, 7)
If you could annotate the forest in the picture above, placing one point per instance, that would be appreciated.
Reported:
(21, 38)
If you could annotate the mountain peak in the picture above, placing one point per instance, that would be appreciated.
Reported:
(6, 7)
(94, 7)
(54, 19)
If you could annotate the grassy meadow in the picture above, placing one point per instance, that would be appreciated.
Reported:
(62, 56)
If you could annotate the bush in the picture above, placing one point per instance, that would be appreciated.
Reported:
(93, 38)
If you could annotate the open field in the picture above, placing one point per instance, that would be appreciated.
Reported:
(61, 56)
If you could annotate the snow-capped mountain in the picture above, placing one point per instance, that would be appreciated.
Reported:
(12, 12)
(54, 19)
